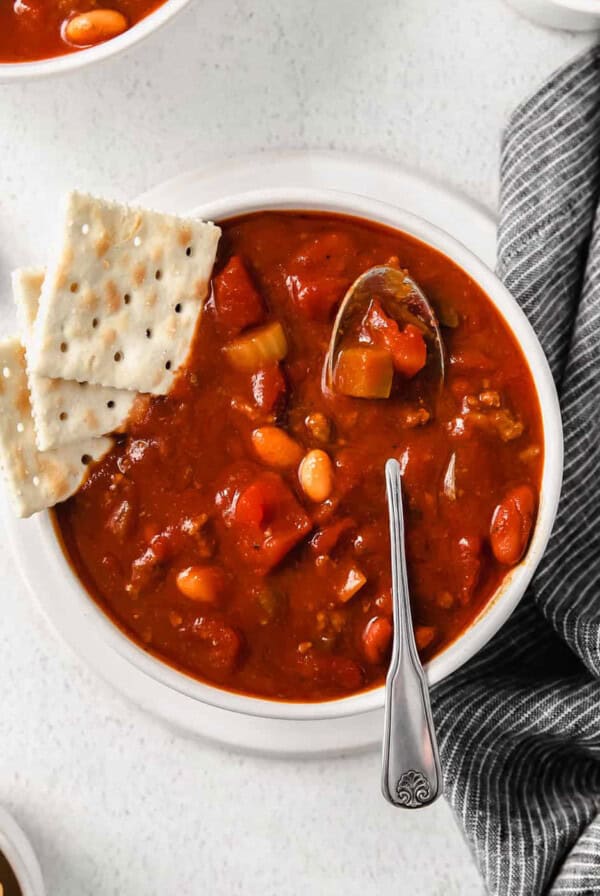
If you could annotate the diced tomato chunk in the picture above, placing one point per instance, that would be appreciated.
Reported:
(316, 296)
(252, 505)
(409, 351)
(407, 346)
(280, 542)
(268, 387)
(237, 301)
(319, 275)
(329, 252)
(511, 526)
(325, 539)
(269, 522)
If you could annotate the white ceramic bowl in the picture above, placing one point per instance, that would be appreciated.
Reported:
(58, 573)
(570, 15)
(14, 71)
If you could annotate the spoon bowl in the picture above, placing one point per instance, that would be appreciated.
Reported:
(402, 299)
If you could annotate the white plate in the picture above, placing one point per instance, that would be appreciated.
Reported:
(378, 180)
(20, 856)
(567, 15)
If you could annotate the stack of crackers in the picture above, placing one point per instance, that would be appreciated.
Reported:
(113, 315)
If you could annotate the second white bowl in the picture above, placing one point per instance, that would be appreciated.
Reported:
(55, 65)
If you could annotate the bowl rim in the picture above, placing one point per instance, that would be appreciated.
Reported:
(586, 6)
(55, 65)
(501, 605)
(585, 12)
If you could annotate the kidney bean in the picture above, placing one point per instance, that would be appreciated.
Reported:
(377, 639)
(511, 526)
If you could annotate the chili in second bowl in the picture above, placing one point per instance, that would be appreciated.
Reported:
(239, 530)
(42, 29)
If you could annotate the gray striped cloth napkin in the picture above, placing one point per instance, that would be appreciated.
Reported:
(519, 726)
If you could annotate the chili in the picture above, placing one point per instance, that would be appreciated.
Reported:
(39, 29)
(239, 529)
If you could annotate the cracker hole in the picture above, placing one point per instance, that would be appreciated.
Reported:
(85, 229)
(118, 356)
(74, 287)
(168, 365)
(148, 333)
(110, 404)
(86, 459)
(63, 415)
(95, 323)
(20, 427)
(157, 274)
(137, 241)
(36, 481)
(63, 347)
(178, 308)
(189, 251)
(126, 298)
(6, 372)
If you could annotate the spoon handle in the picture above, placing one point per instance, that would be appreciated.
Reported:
(412, 775)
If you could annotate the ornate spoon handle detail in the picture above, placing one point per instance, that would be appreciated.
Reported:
(412, 775)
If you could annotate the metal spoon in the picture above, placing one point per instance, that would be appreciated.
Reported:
(411, 774)
(401, 298)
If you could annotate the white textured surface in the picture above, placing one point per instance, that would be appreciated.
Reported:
(114, 804)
